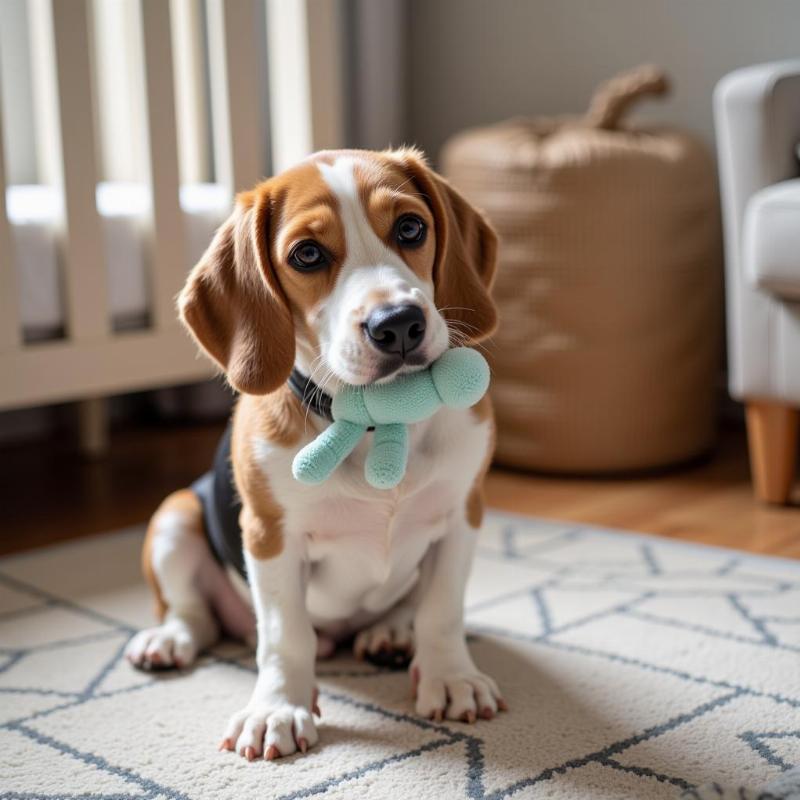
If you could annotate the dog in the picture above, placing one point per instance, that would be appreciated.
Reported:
(351, 267)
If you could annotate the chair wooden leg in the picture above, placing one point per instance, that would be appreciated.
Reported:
(772, 436)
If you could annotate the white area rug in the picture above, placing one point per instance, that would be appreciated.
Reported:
(634, 667)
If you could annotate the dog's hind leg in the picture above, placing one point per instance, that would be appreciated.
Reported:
(189, 585)
(389, 641)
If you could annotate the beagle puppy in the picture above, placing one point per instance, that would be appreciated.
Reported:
(350, 268)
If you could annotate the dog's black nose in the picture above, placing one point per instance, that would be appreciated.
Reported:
(396, 329)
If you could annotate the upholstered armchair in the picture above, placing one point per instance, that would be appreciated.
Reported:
(757, 114)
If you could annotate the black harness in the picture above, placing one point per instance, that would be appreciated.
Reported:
(217, 491)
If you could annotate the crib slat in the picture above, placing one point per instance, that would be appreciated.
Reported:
(168, 260)
(289, 93)
(324, 39)
(65, 126)
(191, 101)
(306, 75)
(236, 60)
(10, 334)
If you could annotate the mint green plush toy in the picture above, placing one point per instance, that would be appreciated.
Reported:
(458, 380)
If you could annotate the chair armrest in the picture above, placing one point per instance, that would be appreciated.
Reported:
(771, 241)
(757, 117)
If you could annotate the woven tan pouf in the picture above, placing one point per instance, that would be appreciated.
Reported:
(609, 284)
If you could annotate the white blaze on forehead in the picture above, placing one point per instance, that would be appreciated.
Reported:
(364, 248)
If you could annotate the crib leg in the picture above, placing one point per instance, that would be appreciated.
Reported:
(93, 426)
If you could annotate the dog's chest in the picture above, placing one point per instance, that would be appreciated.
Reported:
(364, 555)
(365, 545)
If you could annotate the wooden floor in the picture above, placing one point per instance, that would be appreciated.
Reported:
(48, 493)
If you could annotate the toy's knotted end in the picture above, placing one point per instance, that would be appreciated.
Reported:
(461, 377)
(349, 404)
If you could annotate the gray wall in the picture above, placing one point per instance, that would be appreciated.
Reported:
(477, 61)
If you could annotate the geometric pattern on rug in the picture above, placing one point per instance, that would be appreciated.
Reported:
(635, 667)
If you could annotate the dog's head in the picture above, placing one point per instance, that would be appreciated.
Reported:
(354, 265)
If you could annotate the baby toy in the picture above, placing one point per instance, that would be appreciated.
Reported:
(457, 380)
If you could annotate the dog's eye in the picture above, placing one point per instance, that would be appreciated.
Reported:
(308, 256)
(410, 230)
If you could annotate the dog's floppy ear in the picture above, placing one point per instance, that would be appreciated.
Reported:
(466, 252)
(233, 303)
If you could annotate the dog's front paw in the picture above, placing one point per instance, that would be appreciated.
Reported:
(456, 691)
(271, 729)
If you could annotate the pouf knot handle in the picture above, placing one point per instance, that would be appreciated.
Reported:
(612, 99)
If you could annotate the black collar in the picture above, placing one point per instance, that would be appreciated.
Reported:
(310, 395)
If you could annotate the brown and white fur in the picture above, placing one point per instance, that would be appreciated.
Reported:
(340, 559)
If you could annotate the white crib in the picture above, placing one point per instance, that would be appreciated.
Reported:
(89, 269)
